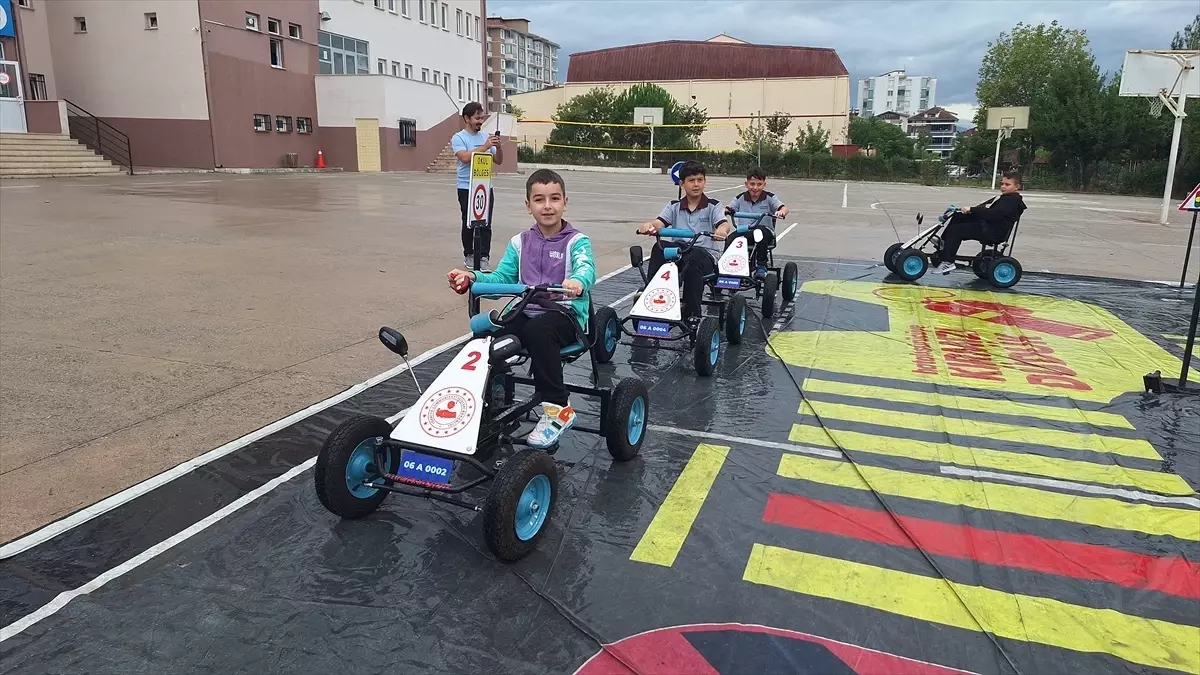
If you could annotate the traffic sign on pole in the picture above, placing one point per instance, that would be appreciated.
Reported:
(675, 172)
(481, 188)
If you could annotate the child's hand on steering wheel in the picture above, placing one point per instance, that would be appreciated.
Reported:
(722, 232)
(460, 281)
(648, 228)
(573, 288)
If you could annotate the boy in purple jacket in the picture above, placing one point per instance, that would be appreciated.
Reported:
(550, 252)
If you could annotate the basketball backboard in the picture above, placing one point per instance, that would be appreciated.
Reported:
(1008, 118)
(651, 116)
(1147, 73)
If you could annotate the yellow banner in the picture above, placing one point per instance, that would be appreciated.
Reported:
(481, 166)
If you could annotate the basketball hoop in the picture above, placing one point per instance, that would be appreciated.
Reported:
(1157, 103)
(1006, 132)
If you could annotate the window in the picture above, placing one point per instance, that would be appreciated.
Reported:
(404, 7)
(458, 21)
(392, 6)
(273, 26)
(461, 88)
(407, 71)
(276, 53)
(477, 33)
(437, 78)
(446, 84)
(283, 124)
(378, 4)
(424, 74)
(408, 133)
(262, 123)
(467, 24)
(25, 3)
(381, 66)
(445, 17)
(80, 24)
(421, 11)
(37, 87)
(294, 31)
(151, 20)
(304, 125)
(339, 55)
(395, 69)
(251, 21)
(433, 13)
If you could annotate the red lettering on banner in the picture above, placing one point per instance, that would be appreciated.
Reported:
(1009, 315)
(922, 352)
(1031, 355)
(966, 355)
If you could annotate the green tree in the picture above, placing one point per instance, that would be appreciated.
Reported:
(812, 141)
(594, 105)
(515, 111)
(1189, 38)
(888, 140)
(1075, 116)
(971, 151)
(764, 134)
(669, 136)
(1187, 172)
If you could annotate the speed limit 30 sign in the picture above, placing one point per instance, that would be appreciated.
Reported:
(481, 187)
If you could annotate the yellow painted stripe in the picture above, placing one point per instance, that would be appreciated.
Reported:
(1086, 510)
(1150, 642)
(1036, 465)
(985, 405)
(667, 532)
(997, 430)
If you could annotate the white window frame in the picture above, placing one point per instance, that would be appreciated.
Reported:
(433, 14)
(404, 9)
(381, 66)
(391, 5)
(151, 20)
(408, 71)
(278, 26)
(445, 17)
(298, 33)
(395, 69)
(458, 22)
(425, 75)
(277, 42)
(378, 4)
(253, 22)
(462, 81)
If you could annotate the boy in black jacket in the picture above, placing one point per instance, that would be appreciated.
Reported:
(992, 219)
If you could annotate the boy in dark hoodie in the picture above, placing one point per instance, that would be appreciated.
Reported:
(550, 252)
(993, 219)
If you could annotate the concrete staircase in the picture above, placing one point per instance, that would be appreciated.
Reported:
(50, 156)
(445, 162)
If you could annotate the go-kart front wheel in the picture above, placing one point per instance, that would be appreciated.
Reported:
(606, 328)
(517, 509)
(735, 319)
(890, 254)
(707, 349)
(911, 264)
(625, 426)
(791, 281)
(346, 460)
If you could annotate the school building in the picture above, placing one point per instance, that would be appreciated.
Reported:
(374, 84)
(735, 81)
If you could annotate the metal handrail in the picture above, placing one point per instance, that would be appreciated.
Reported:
(99, 135)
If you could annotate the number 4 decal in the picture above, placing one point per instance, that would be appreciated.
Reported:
(665, 276)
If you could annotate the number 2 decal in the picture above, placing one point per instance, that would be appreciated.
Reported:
(472, 359)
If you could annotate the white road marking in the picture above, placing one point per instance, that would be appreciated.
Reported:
(1070, 485)
(16, 187)
(784, 233)
(875, 206)
(61, 600)
(789, 447)
(845, 193)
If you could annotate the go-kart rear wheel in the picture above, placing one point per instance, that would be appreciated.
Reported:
(707, 349)
(1004, 272)
(517, 509)
(606, 334)
(347, 458)
(981, 263)
(890, 254)
(769, 289)
(791, 281)
(911, 264)
(735, 319)
(628, 410)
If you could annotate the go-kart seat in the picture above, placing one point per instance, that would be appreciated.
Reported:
(573, 350)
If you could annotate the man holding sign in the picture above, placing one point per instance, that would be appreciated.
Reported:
(472, 139)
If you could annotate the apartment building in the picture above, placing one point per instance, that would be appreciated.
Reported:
(517, 61)
(940, 126)
(896, 92)
(246, 83)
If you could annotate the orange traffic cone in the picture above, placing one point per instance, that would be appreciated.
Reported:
(320, 159)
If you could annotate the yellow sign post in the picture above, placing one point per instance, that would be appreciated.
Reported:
(480, 195)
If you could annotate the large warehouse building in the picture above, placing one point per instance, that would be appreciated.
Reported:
(733, 80)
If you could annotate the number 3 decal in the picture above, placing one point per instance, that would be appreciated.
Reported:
(472, 359)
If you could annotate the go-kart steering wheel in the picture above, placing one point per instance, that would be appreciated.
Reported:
(525, 292)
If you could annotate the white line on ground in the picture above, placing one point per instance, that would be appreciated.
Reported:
(784, 233)
(789, 447)
(875, 206)
(16, 187)
(845, 193)
(61, 600)
(1069, 485)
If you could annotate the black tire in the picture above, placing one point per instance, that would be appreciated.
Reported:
(770, 289)
(602, 348)
(708, 333)
(911, 271)
(329, 473)
(619, 427)
(891, 253)
(981, 263)
(791, 281)
(735, 319)
(1004, 272)
(502, 502)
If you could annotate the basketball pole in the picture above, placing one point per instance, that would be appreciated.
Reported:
(1177, 109)
(996, 160)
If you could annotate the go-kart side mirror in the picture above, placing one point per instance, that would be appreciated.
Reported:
(920, 218)
(394, 340)
(636, 256)
(758, 235)
(504, 347)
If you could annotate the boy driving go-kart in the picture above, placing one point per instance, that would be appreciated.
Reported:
(756, 199)
(990, 221)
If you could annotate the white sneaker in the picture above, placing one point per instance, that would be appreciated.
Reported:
(468, 262)
(554, 421)
(485, 264)
(944, 268)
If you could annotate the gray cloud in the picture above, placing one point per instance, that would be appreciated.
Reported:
(943, 38)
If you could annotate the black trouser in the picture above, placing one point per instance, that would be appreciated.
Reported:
(760, 249)
(693, 267)
(485, 236)
(962, 226)
(543, 335)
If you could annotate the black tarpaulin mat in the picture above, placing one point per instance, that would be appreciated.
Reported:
(987, 522)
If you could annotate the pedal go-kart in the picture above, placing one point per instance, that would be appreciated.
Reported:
(994, 262)
(467, 416)
(734, 274)
(657, 312)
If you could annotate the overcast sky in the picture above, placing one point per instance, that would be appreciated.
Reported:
(944, 39)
